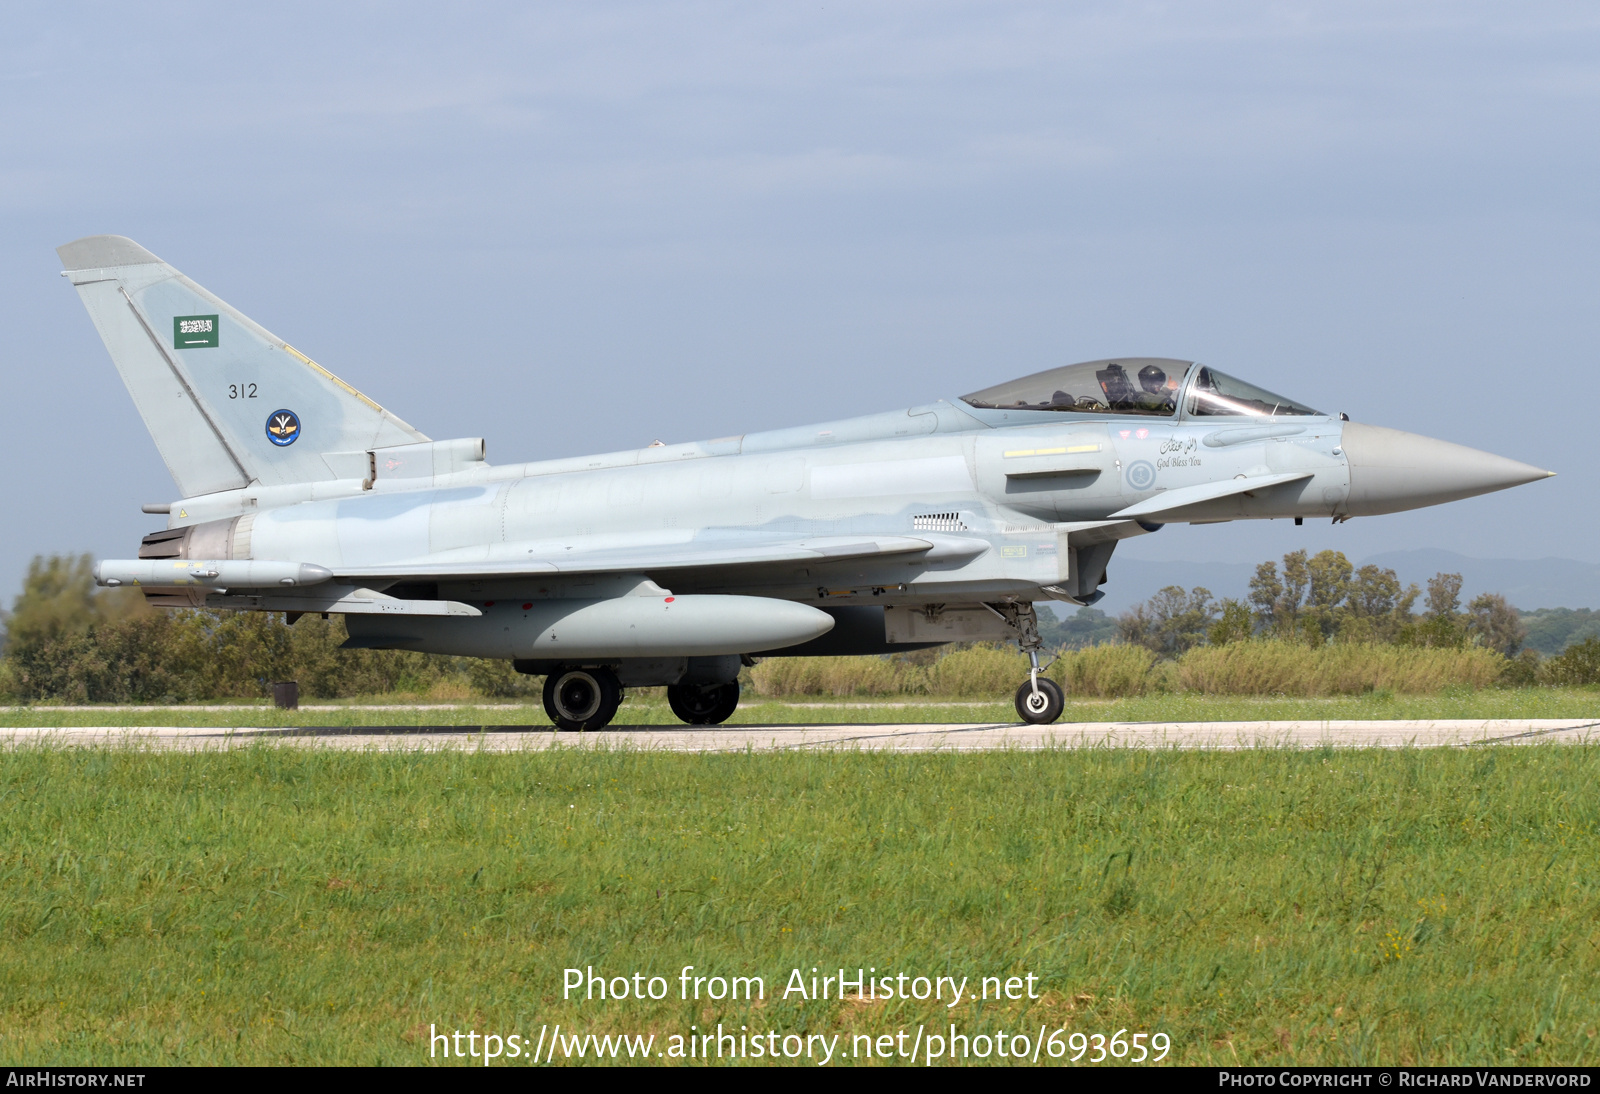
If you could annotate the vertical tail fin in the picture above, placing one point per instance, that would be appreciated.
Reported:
(227, 403)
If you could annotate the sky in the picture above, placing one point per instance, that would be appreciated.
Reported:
(580, 227)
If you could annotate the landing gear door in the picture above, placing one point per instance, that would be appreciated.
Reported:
(938, 623)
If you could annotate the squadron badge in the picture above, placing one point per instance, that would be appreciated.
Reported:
(283, 427)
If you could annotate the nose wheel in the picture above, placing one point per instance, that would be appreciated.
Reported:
(1040, 701)
(704, 705)
(580, 699)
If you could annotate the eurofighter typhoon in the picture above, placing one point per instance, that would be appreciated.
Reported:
(675, 564)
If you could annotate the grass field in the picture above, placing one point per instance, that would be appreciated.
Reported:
(274, 905)
(648, 707)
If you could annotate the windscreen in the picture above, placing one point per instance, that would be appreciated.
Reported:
(1216, 394)
(1130, 386)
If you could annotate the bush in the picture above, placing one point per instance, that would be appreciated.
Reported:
(129, 661)
(1286, 668)
(965, 671)
(498, 680)
(1108, 672)
(1522, 671)
(977, 671)
(837, 676)
(186, 656)
(1252, 667)
(1235, 623)
(1577, 666)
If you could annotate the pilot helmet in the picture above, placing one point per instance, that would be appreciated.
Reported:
(1152, 379)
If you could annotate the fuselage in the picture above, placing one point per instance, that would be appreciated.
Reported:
(1006, 479)
(1014, 503)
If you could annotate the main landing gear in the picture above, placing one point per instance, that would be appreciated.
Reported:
(1040, 699)
(704, 704)
(587, 698)
(580, 699)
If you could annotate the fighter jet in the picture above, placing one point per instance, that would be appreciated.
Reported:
(675, 564)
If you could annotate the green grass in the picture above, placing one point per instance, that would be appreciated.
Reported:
(275, 905)
(648, 708)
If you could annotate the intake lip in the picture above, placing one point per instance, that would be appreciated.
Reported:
(1391, 471)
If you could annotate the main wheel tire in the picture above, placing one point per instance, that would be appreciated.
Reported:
(1041, 707)
(704, 705)
(580, 699)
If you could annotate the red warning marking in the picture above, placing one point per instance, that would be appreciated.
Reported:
(488, 603)
(669, 600)
(525, 607)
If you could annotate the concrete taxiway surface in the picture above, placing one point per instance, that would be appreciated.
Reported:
(969, 737)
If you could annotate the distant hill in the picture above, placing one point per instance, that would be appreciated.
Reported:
(1551, 630)
(1528, 584)
(1134, 580)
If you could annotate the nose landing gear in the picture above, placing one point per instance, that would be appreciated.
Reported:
(1040, 699)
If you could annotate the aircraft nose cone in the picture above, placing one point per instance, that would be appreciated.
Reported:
(1391, 471)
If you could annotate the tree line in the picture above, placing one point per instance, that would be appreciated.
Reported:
(1322, 598)
(66, 640)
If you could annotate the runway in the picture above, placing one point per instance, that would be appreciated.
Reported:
(948, 737)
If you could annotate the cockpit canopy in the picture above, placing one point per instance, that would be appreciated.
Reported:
(1137, 385)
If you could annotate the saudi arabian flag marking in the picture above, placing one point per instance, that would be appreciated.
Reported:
(195, 331)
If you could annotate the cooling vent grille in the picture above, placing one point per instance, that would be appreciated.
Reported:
(939, 522)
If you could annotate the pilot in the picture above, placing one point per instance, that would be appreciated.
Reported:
(1158, 393)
